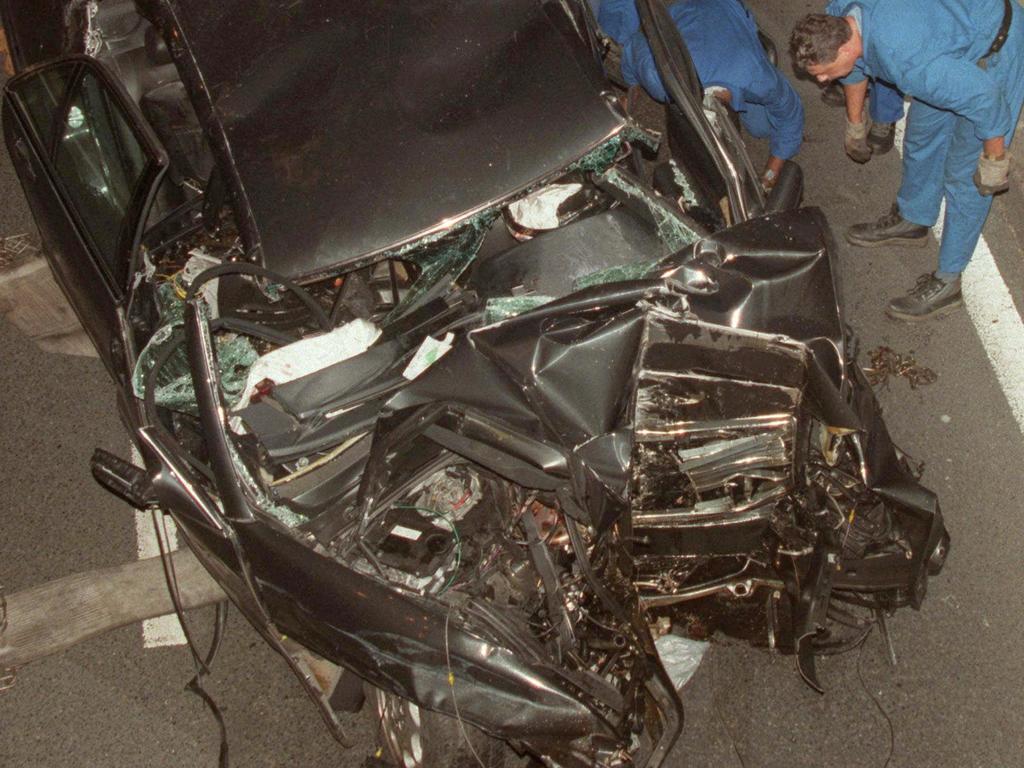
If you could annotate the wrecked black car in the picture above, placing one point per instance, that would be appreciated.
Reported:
(463, 384)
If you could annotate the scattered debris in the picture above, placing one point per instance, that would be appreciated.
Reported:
(430, 351)
(15, 247)
(7, 676)
(886, 362)
(681, 657)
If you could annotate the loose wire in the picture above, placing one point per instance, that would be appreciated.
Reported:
(718, 711)
(451, 685)
(877, 703)
(202, 664)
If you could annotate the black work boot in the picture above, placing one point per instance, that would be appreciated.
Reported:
(890, 229)
(931, 297)
(881, 137)
(832, 94)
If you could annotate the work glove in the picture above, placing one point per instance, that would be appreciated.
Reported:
(856, 142)
(992, 176)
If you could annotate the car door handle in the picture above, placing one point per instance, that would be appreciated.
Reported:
(22, 149)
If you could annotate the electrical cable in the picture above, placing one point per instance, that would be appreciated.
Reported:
(876, 702)
(451, 685)
(202, 664)
(718, 711)
(327, 458)
(243, 268)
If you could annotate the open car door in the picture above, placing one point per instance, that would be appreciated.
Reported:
(89, 166)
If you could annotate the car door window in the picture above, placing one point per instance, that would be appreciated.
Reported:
(100, 164)
(43, 102)
(98, 160)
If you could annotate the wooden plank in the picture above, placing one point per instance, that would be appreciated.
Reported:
(52, 617)
(32, 302)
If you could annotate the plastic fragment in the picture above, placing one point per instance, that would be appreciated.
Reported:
(430, 351)
(539, 210)
(680, 656)
(308, 355)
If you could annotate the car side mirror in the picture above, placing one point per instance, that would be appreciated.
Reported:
(123, 479)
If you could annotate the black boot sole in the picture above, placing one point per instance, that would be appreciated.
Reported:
(912, 242)
(895, 314)
(881, 149)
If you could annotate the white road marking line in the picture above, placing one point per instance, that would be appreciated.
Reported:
(163, 630)
(991, 309)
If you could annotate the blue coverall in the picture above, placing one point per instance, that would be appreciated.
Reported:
(930, 50)
(885, 103)
(721, 36)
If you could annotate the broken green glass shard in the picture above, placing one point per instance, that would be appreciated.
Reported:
(673, 229)
(235, 355)
(616, 274)
(504, 307)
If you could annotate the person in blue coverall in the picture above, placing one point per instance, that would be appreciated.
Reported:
(885, 108)
(721, 36)
(962, 64)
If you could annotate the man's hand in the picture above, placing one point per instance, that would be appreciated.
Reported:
(993, 174)
(856, 142)
(771, 172)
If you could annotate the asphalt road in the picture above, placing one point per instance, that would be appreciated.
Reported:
(954, 699)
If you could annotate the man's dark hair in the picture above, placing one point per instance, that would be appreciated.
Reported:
(816, 39)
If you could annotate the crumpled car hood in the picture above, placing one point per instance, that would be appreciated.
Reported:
(355, 127)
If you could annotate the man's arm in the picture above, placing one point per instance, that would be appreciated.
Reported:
(962, 87)
(618, 19)
(856, 96)
(639, 68)
(855, 139)
(994, 148)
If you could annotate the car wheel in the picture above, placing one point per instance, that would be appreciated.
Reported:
(413, 737)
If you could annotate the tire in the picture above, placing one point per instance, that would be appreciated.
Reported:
(413, 737)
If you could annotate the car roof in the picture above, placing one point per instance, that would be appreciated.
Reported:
(354, 127)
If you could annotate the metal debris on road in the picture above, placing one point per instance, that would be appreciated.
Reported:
(7, 676)
(13, 247)
(886, 363)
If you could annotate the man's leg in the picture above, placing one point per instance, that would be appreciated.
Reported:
(966, 210)
(885, 105)
(925, 148)
(917, 205)
(966, 207)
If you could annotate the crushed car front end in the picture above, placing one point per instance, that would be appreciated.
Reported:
(466, 386)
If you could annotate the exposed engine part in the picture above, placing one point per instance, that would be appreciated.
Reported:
(408, 539)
